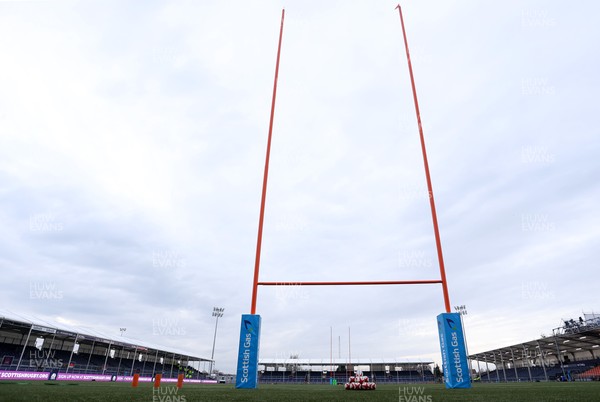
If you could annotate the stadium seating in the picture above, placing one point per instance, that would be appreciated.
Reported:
(406, 376)
(81, 363)
(591, 373)
(574, 369)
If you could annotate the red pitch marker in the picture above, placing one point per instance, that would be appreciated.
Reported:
(136, 380)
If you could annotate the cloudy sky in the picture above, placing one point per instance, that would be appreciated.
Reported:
(132, 143)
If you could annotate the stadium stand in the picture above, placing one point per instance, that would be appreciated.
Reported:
(29, 344)
(295, 370)
(571, 354)
(592, 374)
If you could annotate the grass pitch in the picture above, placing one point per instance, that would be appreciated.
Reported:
(97, 391)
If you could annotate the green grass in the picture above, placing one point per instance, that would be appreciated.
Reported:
(97, 391)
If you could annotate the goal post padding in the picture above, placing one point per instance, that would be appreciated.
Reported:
(247, 366)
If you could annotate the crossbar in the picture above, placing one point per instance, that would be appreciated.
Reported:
(338, 283)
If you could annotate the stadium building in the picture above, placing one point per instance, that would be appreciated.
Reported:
(31, 348)
(572, 352)
(323, 370)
